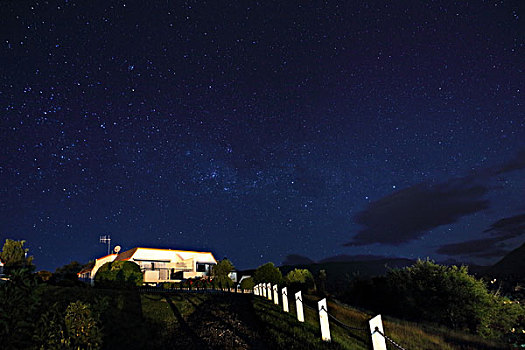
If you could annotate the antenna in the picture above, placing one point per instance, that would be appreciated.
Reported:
(106, 239)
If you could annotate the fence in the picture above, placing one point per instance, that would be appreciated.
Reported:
(266, 290)
(194, 290)
(375, 329)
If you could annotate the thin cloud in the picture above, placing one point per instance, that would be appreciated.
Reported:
(408, 214)
(501, 231)
(482, 248)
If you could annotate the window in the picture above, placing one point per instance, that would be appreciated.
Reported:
(176, 275)
(201, 267)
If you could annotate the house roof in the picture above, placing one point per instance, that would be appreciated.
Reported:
(89, 269)
(126, 255)
(105, 256)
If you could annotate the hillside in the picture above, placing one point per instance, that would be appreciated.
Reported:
(339, 273)
(511, 266)
(232, 321)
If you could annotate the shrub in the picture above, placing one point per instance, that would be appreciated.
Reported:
(247, 283)
(300, 279)
(439, 294)
(220, 273)
(18, 306)
(268, 273)
(119, 274)
(82, 329)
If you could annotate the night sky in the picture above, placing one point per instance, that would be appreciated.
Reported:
(256, 130)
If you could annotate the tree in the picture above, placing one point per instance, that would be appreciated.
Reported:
(268, 273)
(247, 283)
(18, 305)
(67, 274)
(119, 274)
(44, 275)
(82, 329)
(321, 282)
(76, 327)
(220, 273)
(442, 294)
(300, 279)
(14, 256)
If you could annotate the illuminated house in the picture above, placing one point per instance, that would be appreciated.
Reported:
(159, 265)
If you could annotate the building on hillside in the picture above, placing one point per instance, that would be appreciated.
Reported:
(1, 268)
(159, 265)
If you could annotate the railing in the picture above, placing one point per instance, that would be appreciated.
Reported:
(162, 290)
(375, 329)
(266, 290)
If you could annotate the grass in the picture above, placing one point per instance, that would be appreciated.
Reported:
(200, 321)
(285, 332)
(408, 334)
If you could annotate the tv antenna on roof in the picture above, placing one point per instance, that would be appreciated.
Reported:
(106, 239)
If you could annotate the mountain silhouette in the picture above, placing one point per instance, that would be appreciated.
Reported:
(512, 265)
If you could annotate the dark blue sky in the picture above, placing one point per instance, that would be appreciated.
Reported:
(262, 129)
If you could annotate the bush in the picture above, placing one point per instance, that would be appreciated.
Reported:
(119, 274)
(300, 279)
(170, 285)
(82, 329)
(220, 274)
(439, 294)
(268, 273)
(18, 306)
(247, 283)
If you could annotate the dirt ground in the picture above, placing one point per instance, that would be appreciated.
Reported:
(226, 322)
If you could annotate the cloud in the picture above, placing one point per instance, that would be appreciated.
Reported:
(494, 246)
(509, 227)
(482, 248)
(408, 214)
(518, 163)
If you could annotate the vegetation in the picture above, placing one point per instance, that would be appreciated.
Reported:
(14, 256)
(438, 294)
(220, 274)
(18, 306)
(81, 325)
(321, 282)
(300, 279)
(67, 275)
(247, 283)
(119, 274)
(39, 315)
(268, 273)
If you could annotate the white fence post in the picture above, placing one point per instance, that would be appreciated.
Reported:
(378, 341)
(299, 306)
(256, 290)
(323, 319)
(269, 291)
(263, 287)
(276, 295)
(285, 299)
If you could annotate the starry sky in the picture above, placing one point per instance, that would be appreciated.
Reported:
(256, 130)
